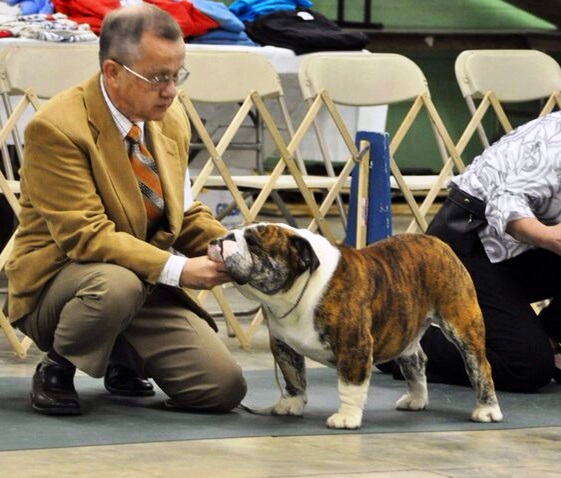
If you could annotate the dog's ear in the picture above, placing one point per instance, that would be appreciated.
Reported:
(307, 258)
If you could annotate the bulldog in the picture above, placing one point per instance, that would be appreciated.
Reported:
(350, 309)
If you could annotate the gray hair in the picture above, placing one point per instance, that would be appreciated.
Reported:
(122, 30)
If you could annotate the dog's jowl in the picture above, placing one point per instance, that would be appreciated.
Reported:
(350, 309)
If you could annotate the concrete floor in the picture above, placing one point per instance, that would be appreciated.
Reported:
(502, 453)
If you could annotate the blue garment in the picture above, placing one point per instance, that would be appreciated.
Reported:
(28, 7)
(220, 14)
(248, 10)
(223, 37)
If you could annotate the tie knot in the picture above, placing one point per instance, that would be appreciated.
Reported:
(134, 134)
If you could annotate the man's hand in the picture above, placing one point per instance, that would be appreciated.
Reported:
(202, 273)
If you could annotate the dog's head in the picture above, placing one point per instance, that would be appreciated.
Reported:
(268, 257)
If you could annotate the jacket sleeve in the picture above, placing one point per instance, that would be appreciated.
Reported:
(199, 228)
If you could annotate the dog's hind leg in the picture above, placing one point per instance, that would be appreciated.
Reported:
(412, 366)
(469, 338)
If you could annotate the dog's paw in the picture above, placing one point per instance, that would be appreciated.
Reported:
(411, 402)
(289, 406)
(487, 414)
(350, 421)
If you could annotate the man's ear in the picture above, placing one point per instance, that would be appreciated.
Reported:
(110, 70)
(307, 258)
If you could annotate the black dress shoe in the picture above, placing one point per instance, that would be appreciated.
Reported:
(53, 391)
(123, 381)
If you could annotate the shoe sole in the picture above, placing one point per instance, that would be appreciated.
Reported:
(56, 411)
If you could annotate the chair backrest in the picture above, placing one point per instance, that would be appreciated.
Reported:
(41, 70)
(492, 78)
(47, 69)
(228, 77)
(244, 80)
(362, 79)
(513, 75)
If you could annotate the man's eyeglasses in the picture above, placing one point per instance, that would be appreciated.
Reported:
(159, 80)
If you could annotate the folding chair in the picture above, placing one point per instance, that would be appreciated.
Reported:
(491, 78)
(380, 79)
(28, 73)
(211, 81)
(512, 76)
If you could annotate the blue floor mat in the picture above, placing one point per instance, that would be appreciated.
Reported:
(115, 420)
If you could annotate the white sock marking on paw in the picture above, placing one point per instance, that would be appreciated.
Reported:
(416, 397)
(487, 414)
(289, 406)
(353, 399)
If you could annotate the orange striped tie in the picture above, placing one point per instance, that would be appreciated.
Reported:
(146, 173)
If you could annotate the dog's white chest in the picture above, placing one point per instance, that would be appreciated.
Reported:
(301, 336)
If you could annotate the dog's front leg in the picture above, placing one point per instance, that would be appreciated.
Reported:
(293, 369)
(353, 371)
(353, 400)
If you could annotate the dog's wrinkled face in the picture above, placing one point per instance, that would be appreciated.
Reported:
(266, 256)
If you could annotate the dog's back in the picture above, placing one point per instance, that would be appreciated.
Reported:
(400, 282)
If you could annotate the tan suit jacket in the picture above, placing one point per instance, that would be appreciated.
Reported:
(81, 202)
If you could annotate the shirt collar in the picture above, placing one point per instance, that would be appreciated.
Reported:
(121, 121)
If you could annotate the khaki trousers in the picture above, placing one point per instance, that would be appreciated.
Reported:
(88, 308)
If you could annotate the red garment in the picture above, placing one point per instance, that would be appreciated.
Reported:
(191, 20)
(91, 12)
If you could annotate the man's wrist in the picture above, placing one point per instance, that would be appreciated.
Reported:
(171, 273)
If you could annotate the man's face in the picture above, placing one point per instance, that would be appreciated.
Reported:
(135, 98)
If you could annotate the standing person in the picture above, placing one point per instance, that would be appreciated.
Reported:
(105, 198)
(503, 219)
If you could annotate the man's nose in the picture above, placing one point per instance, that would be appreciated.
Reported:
(169, 90)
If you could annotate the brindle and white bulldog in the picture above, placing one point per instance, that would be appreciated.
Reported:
(350, 309)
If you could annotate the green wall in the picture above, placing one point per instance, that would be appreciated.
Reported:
(416, 14)
(418, 149)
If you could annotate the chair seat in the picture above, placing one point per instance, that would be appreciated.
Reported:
(415, 183)
(283, 182)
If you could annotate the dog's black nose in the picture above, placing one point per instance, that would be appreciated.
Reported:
(230, 237)
(214, 242)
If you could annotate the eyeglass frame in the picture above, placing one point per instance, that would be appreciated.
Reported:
(158, 80)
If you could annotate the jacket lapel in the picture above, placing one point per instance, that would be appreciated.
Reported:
(113, 159)
(166, 155)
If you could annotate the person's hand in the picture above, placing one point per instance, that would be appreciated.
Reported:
(202, 273)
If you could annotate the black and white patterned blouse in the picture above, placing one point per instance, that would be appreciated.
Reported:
(517, 177)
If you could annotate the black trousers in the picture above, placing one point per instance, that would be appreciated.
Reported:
(517, 341)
